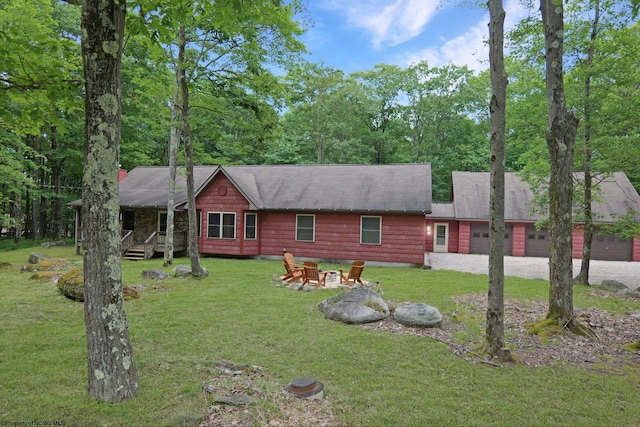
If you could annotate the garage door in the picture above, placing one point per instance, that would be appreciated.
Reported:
(537, 242)
(610, 247)
(480, 239)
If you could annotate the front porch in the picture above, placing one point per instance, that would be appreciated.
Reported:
(142, 250)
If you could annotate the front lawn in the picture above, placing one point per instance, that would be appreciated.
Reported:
(373, 377)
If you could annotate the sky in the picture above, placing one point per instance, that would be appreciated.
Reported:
(355, 35)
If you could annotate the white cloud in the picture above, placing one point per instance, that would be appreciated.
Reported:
(388, 23)
(469, 48)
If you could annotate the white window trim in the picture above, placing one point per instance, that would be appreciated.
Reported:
(255, 226)
(313, 239)
(379, 231)
(159, 222)
(222, 214)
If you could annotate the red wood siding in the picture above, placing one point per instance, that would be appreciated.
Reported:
(221, 196)
(464, 237)
(519, 239)
(635, 254)
(337, 236)
(577, 241)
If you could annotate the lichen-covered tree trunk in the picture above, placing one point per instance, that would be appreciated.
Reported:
(494, 338)
(111, 367)
(174, 141)
(561, 132)
(196, 269)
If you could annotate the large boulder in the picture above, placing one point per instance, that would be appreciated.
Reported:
(71, 284)
(156, 274)
(38, 257)
(355, 307)
(185, 271)
(418, 315)
(613, 285)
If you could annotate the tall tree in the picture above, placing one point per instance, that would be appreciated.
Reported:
(174, 142)
(562, 127)
(111, 366)
(197, 270)
(494, 338)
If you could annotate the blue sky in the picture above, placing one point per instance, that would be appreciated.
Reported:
(354, 35)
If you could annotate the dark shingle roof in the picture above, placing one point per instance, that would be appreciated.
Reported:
(148, 186)
(471, 197)
(362, 188)
(358, 188)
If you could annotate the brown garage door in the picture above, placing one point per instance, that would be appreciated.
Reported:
(537, 242)
(610, 247)
(479, 243)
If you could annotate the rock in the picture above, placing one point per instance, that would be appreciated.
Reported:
(355, 307)
(631, 293)
(156, 274)
(182, 271)
(71, 284)
(239, 399)
(38, 257)
(53, 244)
(613, 285)
(185, 271)
(418, 315)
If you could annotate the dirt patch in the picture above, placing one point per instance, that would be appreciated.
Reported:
(275, 407)
(463, 332)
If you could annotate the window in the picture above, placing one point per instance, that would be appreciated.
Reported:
(222, 225)
(250, 226)
(305, 228)
(162, 221)
(370, 230)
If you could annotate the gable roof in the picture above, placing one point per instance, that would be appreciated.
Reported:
(399, 188)
(148, 186)
(471, 197)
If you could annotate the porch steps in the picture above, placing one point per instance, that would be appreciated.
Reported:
(135, 253)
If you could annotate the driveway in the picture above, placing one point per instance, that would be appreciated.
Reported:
(530, 267)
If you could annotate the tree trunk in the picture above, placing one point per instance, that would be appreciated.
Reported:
(17, 216)
(561, 132)
(583, 276)
(494, 339)
(113, 375)
(196, 269)
(174, 141)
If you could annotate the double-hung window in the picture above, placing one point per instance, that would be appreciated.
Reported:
(221, 225)
(371, 230)
(250, 226)
(305, 228)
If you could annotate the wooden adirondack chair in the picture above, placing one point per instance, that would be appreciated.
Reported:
(353, 276)
(288, 257)
(293, 272)
(313, 276)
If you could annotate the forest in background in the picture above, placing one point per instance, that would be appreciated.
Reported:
(254, 100)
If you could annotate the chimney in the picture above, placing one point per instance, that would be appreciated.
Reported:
(122, 174)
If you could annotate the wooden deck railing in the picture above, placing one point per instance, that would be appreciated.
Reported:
(150, 245)
(126, 240)
(179, 240)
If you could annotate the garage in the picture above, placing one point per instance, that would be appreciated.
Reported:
(536, 242)
(610, 247)
(479, 243)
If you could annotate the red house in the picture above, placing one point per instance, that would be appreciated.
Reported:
(331, 212)
(462, 225)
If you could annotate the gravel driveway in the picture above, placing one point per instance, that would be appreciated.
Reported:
(529, 267)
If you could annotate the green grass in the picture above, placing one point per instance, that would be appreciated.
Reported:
(181, 327)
